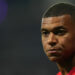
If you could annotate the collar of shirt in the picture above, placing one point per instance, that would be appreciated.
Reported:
(72, 72)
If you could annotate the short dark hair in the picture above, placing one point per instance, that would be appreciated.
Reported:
(60, 9)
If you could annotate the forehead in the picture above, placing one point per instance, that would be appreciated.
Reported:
(64, 20)
(56, 19)
(51, 20)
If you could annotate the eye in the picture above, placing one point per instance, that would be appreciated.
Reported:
(60, 32)
(44, 33)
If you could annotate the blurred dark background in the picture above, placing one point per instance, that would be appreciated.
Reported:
(21, 51)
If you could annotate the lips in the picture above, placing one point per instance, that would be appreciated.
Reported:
(54, 50)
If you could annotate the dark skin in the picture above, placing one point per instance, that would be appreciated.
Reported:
(58, 39)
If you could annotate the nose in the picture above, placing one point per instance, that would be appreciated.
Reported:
(52, 40)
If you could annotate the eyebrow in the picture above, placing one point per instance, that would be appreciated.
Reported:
(56, 28)
(42, 29)
(59, 27)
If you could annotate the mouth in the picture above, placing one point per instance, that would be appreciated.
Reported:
(54, 51)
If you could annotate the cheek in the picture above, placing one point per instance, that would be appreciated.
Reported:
(67, 42)
(66, 38)
(63, 40)
(44, 43)
(68, 45)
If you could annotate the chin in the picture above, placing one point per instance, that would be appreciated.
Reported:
(53, 59)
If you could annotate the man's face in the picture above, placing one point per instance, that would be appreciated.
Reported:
(58, 37)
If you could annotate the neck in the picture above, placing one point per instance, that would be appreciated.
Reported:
(66, 65)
